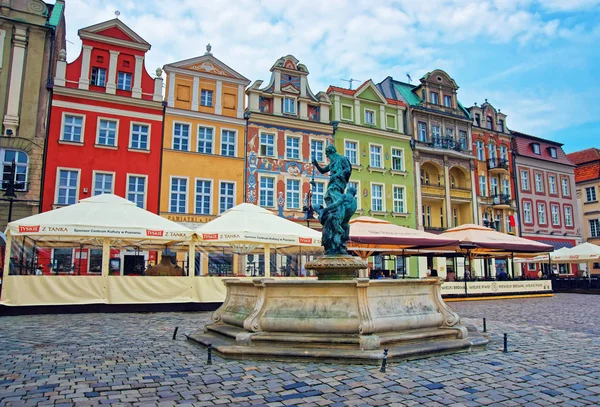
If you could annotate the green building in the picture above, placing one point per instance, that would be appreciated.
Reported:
(370, 131)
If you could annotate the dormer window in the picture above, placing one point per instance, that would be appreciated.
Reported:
(289, 106)
(501, 126)
(477, 119)
(536, 148)
(552, 151)
(98, 77)
(434, 98)
(490, 124)
(447, 101)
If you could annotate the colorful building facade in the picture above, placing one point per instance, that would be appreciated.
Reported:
(31, 35)
(548, 209)
(105, 131)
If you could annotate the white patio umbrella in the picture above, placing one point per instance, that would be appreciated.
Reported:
(584, 253)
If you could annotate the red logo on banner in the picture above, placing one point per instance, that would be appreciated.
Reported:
(29, 229)
(305, 240)
(210, 236)
(157, 233)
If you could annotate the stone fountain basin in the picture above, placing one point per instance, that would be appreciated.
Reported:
(336, 319)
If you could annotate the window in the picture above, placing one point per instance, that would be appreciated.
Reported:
(527, 212)
(455, 217)
(19, 177)
(318, 194)
(506, 187)
(541, 213)
(203, 192)
(67, 187)
(356, 186)
(98, 77)
(422, 128)
(399, 196)
(139, 136)
(531, 266)
(226, 196)
(316, 150)
(477, 119)
(483, 185)
(72, 129)
(103, 183)
(434, 98)
(503, 153)
(441, 217)
(590, 194)
(447, 101)
(267, 192)
(178, 195)
(289, 106)
(450, 133)
(525, 180)
(205, 140)
(494, 186)
(351, 151)
(228, 143)
(480, 150)
(427, 216)
(462, 136)
(501, 126)
(292, 148)
(136, 190)
(492, 151)
(565, 187)
(555, 216)
(375, 158)
(181, 137)
(95, 262)
(124, 81)
(594, 228)
(436, 133)
(568, 216)
(508, 226)
(489, 123)
(292, 193)
(107, 132)
(369, 117)
(552, 151)
(552, 184)
(267, 145)
(397, 159)
(346, 112)
(62, 260)
(539, 183)
(536, 148)
(206, 98)
(377, 197)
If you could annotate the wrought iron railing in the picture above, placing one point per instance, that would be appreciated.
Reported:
(501, 199)
(446, 143)
(498, 163)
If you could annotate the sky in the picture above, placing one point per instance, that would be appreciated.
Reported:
(536, 60)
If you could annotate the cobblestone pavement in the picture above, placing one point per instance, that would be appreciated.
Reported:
(130, 359)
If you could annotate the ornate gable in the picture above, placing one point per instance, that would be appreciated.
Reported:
(208, 64)
(114, 32)
(368, 91)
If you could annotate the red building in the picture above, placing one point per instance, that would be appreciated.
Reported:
(105, 131)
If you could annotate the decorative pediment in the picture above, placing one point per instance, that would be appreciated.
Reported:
(369, 91)
(208, 64)
(290, 89)
(208, 67)
(114, 32)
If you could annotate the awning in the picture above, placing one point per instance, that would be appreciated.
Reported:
(557, 244)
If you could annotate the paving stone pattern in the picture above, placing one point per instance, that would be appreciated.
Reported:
(130, 359)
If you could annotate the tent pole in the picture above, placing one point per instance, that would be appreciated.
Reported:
(105, 256)
(512, 265)
(267, 254)
(192, 259)
(7, 256)
(403, 265)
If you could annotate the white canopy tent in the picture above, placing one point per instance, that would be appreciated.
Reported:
(246, 227)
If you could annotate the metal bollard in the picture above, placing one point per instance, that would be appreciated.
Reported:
(384, 361)
(175, 332)
(209, 349)
(505, 343)
(484, 326)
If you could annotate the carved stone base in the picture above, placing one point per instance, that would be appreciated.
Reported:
(336, 267)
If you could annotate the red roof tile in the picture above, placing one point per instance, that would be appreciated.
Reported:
(523, 147)
(342, 90)
(395, 102)
(585, 156)
(587, 171)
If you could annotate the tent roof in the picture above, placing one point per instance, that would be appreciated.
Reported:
(247, 224)
(98, 217)
(581, 253)
(485, 240)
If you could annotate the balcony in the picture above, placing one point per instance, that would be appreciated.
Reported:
(498, 165)
(460, 193)
(446, 143)
(433, 190)
(501, 201)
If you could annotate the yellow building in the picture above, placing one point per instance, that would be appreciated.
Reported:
(203, 145)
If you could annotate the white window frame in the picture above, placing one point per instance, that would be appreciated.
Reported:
(568, 210)
(351, 118)
(145, 193)
(483, 183)
(108, 119)
(494, 186)
(274, 191)
(538, 176)
(525, 186)
(189, 138)
(555, 150)
(527, 214)
(274, 145)
(480, 147)
(356, 151)
(322, 194)
(564, 182)
(235, 142)
(187, 189)
(112, 184)
(555, 215)
(506, 187)
(431, 98)
(380, 156)
(288, 191)
(536, 148)
(57, 182)
(124, 80)
(213, 142)
(552, 185)
(591, 222)
(210, 195)
(592, 190)
(444, 98)
(393, 116)
(322, 152)
(221, 182)
(299, 148)
(94, 83)
(2, 38)
(541, 207)
(374, 122)
(294, 103)
(394, 200)
(438, 136)
(358, 192)
(382, 196)
(503, 152)
(422, 131)
(492, 151)
(149, 125)
(403, 166)
(17, 165)
(202, 99)
(62, 128)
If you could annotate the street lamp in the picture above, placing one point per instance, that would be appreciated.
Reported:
(10, 186)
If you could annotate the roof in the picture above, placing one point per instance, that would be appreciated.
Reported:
(352, 92)
(585, 156)
(406, 90)
(587, 171)
(556, 244)
(522, 146)
(56, 14)
(345, 91)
